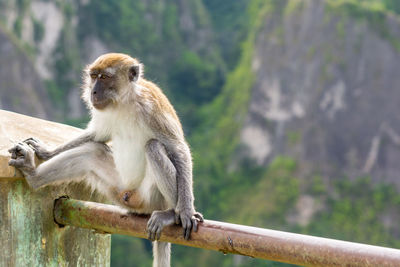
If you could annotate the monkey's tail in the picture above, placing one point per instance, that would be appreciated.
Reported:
(161, 254)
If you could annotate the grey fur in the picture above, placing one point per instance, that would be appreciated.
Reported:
(162, 254)
(165, 171)
(74, 164)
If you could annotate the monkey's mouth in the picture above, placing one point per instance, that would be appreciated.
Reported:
(100, 104)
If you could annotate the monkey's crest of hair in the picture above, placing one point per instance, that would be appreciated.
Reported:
(113, 60)
(114, 63)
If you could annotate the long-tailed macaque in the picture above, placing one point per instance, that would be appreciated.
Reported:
(148, 168)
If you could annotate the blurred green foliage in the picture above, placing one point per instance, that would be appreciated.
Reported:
(230, 21)
(128, 251)
(372, 12)
(192, 78)
(38, 30)
(353, 210)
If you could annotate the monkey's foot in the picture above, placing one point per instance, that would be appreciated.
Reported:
(40, 149)
(189, 221)
(158, 220)
(22, 157)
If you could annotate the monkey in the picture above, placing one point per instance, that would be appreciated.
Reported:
(147, 169)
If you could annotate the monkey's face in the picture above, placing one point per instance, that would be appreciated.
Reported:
(103, 89)
(110, 79)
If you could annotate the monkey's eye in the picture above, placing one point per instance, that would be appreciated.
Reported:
(103, 77)
(93, 76)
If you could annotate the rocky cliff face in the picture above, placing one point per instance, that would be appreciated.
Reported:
(22, 89)
(327, 92)
(36, 28)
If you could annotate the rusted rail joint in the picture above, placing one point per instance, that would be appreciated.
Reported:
(230, 238)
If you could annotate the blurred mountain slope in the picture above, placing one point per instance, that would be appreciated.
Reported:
(305, 134)
(327, 91)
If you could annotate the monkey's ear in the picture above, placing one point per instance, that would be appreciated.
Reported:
(134, 73)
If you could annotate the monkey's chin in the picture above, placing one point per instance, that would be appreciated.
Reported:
(101, 105)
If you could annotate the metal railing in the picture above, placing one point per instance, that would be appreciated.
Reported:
(229, 238)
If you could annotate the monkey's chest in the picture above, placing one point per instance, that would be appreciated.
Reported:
(130, 158)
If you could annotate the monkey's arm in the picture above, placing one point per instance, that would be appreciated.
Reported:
(42, 152)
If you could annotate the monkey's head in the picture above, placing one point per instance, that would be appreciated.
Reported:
(110, 78)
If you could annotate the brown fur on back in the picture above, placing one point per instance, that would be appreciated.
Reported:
(162, 103)
(163, 117)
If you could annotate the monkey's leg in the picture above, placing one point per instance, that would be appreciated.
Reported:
(71, 165)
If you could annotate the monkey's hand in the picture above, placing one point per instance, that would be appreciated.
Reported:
(158, 220)
(40, 149)
(189, 219)
(23, 158)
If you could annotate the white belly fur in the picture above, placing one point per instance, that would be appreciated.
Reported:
(129, 155)
(128, 146)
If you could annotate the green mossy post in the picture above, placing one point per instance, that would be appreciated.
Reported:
(28, 234)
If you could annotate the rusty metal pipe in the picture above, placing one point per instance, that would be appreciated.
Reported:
(230, 238)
